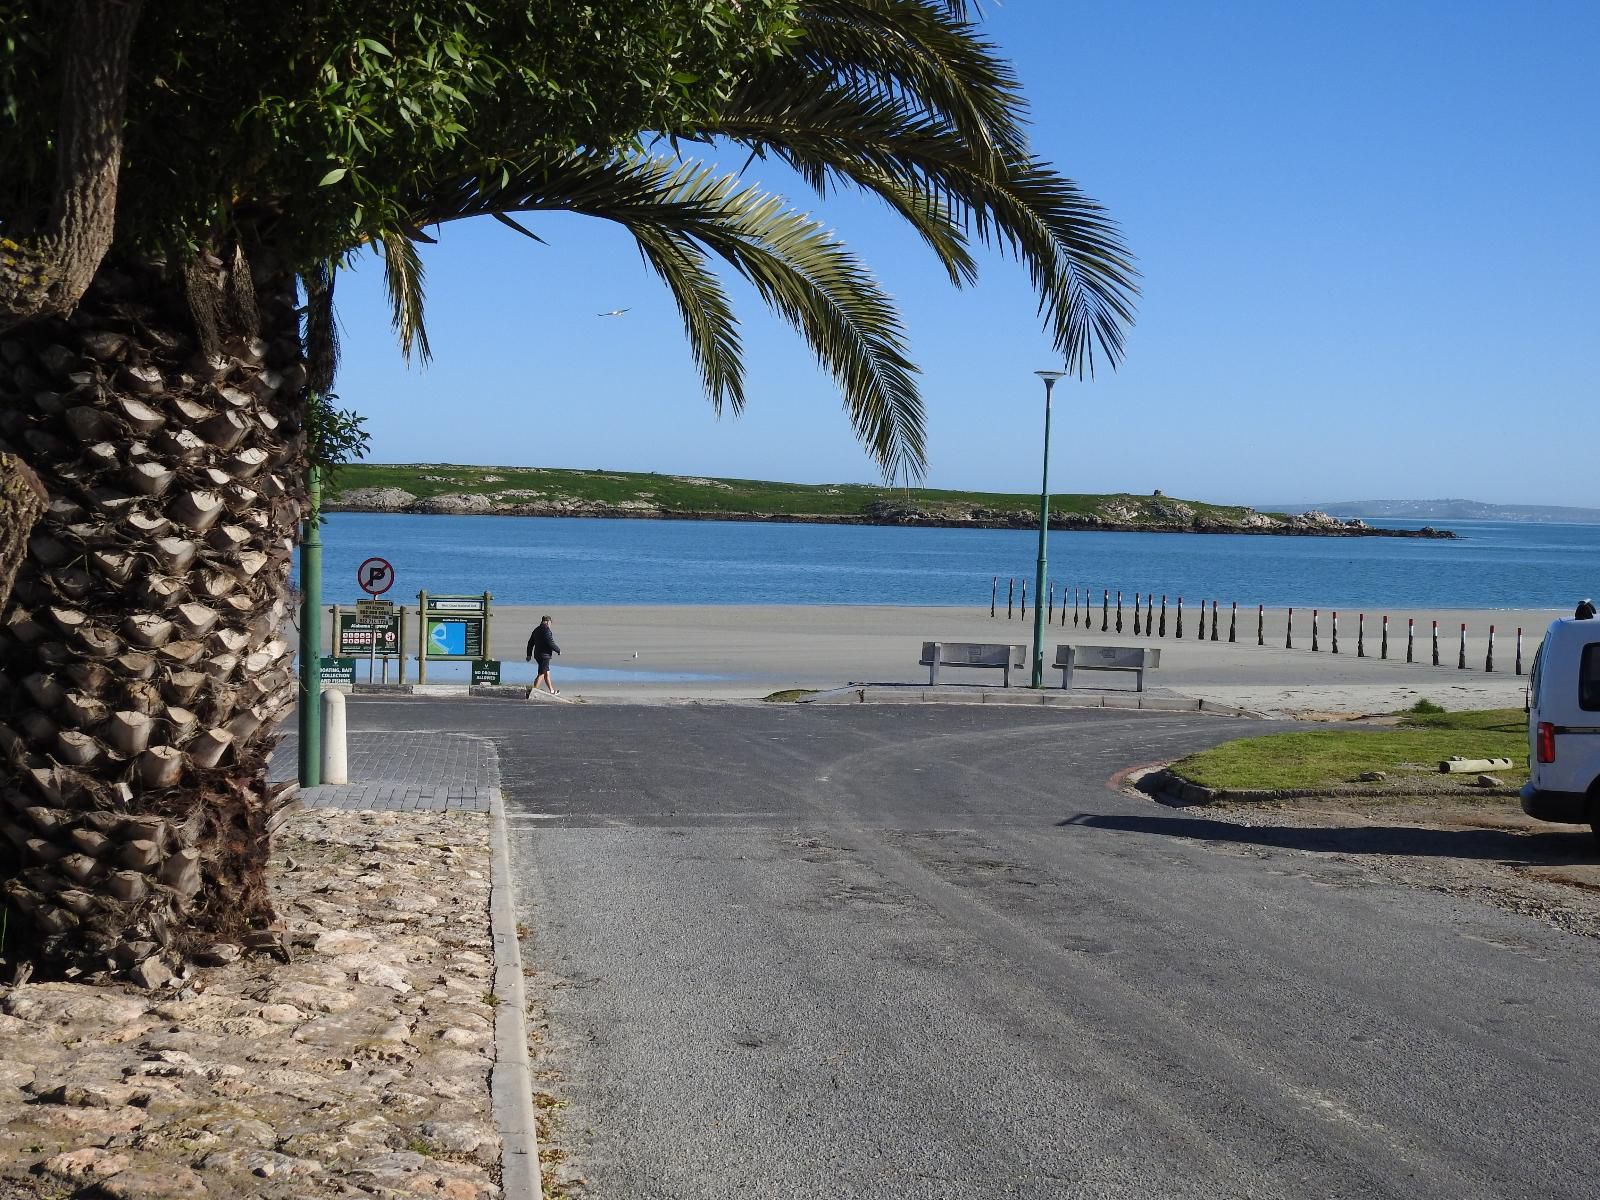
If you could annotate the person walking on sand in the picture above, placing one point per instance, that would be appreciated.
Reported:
(541, 645)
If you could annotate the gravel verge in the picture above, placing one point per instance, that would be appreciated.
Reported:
(361, 1068)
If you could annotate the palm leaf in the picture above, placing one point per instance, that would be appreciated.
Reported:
(404, 278)
(679, 212)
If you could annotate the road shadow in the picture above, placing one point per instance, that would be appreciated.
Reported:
(1556, 847)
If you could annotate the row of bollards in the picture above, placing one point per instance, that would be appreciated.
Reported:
(1153, 625)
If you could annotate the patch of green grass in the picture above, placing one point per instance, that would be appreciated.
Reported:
(789, 695)
(1329, 756)
(1426, 707)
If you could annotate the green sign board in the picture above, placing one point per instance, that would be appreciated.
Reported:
(338, 672)
(486, 670)
(454, 637)
(354, 637)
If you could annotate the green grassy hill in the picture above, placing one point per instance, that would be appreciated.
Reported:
(536, 487)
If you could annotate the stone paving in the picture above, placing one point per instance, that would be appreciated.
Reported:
(359, 1069)
(412, 771)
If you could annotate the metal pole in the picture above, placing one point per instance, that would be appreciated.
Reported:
(422, 637)
(1049, 378)
(311, 635)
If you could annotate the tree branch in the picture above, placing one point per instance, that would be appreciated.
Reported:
(47, 273)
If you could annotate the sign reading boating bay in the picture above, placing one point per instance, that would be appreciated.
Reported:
(453, 628)
(337, 671)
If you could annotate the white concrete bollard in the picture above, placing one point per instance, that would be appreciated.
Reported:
(335, 755)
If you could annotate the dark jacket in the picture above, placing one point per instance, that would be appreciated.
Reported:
(542, 641)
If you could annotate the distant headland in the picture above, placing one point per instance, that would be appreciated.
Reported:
(443, 488)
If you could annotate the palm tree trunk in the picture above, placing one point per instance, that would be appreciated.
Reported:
(22, 500)
(143, 663)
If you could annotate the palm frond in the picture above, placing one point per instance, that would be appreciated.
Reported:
(679, 211)
(708, 320)
(404, 278)
(920, 52)
(321, 330)
(1079, 266)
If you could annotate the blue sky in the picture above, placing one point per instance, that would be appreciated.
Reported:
(1369, 236)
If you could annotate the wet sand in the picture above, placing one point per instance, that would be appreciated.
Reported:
(647, 651)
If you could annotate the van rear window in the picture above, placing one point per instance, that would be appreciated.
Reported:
(1589, 679)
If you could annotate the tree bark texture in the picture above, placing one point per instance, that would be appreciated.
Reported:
(143, 658)
(45, 272)
(22, 500)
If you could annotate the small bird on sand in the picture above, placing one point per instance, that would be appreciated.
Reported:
(615, 312)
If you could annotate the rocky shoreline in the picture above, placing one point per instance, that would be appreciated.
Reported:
(1173, 517)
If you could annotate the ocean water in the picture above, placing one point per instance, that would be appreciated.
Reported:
(575, 561)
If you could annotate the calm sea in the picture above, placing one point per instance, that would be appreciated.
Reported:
(539, 560)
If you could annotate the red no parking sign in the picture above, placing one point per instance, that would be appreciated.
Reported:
(375, 576)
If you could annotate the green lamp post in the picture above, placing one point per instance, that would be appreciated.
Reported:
(1049, 378)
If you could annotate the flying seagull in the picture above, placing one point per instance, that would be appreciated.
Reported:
(615, 312)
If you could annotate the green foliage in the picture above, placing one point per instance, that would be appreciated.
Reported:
(335, 437)
(1425, 707)
(310, 129)
(317, 114)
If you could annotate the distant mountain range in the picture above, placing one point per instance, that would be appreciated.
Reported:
(1443, 510)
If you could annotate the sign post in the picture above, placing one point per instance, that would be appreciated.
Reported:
(375, 576)
(452, 629)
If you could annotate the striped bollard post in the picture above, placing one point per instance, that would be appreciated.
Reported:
(1461, 659)
(1315, 616)
(1519, 649)
(1361, 635)
(1383, 646)
(1149, 614)
(1011, 591)
(1213, 620)
(1136, 614)
(1261, 624)
(1436, 643)
(1163, 616)
(1336, 631)
(1074, 610)
(1105, 609)
(1180, 617)
(1064, 604)
(994, 591)
(1411, 639)
(1050, 612)
(1488, 659)
(1233, 622)
(1119, 610)
(1288, 632)
(1024, 599)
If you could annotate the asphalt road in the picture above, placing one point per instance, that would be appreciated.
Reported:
(929, 952)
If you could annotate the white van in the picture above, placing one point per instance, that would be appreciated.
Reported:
(1564, 726)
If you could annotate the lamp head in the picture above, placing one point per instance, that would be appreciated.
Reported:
(1050, 376)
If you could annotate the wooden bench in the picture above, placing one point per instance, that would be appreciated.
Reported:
(1137, 659)
(973, 654)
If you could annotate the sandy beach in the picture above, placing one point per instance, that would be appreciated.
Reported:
(729, 652)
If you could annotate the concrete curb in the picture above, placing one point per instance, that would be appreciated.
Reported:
(911, 693)
(511, 1080)
(1168, 787)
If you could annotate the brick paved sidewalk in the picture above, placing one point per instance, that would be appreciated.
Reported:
(403, 772)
